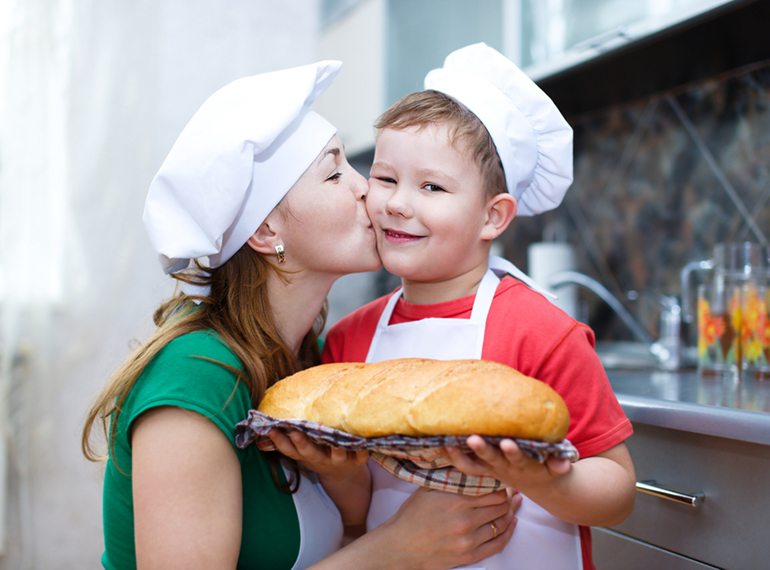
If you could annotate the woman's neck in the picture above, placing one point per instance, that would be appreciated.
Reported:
(296, 305)
(456, 287)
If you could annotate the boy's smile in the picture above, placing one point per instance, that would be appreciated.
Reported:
(398, 237)
(428, 205)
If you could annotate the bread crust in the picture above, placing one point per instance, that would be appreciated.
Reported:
(419, 397)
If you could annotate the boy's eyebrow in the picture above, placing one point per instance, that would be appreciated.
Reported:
(432, 172)
(423, 172)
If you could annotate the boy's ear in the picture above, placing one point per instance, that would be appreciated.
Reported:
(264, 239)
(501, 209)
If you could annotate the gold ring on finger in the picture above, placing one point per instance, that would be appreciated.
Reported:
(495, 530)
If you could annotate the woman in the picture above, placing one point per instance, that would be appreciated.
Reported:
(259, 186)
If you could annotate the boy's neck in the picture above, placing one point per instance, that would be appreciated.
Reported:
(457, 287)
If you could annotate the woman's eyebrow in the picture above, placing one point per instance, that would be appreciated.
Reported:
(334, 151)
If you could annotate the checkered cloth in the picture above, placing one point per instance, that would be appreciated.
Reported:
(419, 460)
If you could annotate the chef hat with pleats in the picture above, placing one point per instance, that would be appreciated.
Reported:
(533, 140)
(236, 158)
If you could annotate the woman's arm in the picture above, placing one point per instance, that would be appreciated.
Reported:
(433, 530)
(187, 492)
(187, 508)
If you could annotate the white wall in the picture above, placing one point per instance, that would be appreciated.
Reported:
(358, 96)
(92, 95)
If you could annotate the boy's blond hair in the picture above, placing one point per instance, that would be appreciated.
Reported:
(466, 131)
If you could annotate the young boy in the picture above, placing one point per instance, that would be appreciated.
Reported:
(453, 165)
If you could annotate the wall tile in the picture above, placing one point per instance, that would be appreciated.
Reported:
(657, 183)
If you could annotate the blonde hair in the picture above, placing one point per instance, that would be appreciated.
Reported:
(430, 107)
(238, 309)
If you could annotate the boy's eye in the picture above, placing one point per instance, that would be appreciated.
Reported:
(433, 187)
(384, 179)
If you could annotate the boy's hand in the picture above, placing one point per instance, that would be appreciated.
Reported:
(508, 464)
(329, 462)
(595, 491)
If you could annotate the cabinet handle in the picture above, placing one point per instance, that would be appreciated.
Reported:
(651, 488)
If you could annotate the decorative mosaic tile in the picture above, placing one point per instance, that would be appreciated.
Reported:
(657, 183)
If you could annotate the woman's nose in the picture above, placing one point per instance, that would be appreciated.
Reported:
(360, 187)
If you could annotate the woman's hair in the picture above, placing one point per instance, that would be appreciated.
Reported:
(238, 309)
(466, 131)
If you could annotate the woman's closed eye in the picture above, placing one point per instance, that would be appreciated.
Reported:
(334, 177)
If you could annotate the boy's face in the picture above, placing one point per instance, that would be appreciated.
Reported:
(428, 205)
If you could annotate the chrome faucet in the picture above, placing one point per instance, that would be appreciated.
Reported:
(666, 349)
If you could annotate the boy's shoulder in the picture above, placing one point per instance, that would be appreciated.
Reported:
(365, 316)
(516, 299)
(521, 313)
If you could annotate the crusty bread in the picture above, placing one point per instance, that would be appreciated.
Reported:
(413, 396)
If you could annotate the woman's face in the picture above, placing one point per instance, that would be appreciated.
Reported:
(325, 225)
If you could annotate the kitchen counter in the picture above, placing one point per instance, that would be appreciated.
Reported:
(701, 447)
(684, 401)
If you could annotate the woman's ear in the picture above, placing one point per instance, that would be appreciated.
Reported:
(500, 211)
(264, 239)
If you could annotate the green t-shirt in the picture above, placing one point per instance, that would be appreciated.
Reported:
(178, 377)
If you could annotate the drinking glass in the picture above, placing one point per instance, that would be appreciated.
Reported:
(755, 332)
(719, 329)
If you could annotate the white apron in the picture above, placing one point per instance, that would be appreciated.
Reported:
(320, 524)
(539, 540)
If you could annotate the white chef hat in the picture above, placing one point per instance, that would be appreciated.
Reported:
(239, 154)
(533, 140)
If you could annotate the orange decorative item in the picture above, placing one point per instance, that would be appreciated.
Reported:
(719, 328)
(755, 332)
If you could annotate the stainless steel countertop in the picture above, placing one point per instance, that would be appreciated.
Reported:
(684, 401)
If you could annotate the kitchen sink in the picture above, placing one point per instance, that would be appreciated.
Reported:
(626, 355)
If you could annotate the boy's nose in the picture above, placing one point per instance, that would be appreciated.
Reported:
(398, 206)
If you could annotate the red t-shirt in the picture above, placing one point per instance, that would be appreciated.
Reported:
(527, 332)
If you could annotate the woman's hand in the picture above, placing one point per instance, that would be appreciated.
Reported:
(343, 474)
(327, 461)
(434, 530)
(442, 530)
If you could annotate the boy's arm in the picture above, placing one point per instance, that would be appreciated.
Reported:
(595, 491)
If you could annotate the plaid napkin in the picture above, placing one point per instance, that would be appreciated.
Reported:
(418, 460)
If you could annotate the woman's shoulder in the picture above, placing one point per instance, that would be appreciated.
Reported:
(196, 345)
(196, 371)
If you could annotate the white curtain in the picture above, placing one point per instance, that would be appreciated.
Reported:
(92, 95)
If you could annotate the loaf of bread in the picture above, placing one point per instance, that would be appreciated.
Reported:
(421, 397)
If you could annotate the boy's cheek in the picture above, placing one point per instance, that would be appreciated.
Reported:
(374, 199)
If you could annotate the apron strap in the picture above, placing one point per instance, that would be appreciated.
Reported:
(388, 310)
(484, 296)
(504, 266)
